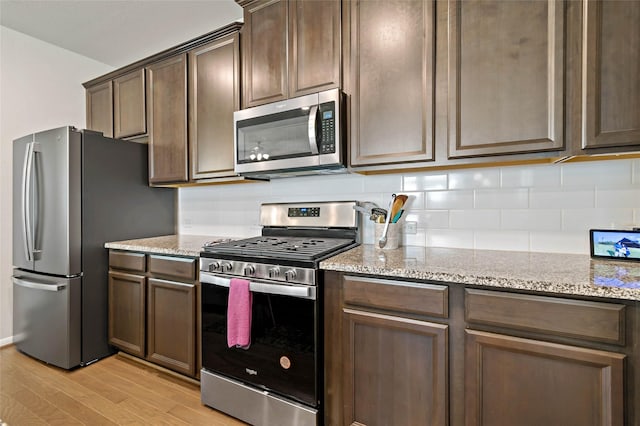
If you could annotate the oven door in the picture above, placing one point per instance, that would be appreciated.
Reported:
(283, 356)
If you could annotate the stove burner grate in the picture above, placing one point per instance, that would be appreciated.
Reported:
(280, 247)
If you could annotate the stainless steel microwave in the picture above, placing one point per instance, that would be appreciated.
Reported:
(298, 136)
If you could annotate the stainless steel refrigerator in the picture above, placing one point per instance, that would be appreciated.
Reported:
(74, 190)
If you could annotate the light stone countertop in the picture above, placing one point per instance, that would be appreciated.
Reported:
(177, 245)
(567, 274)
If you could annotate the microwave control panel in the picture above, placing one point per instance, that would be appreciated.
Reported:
(327, 143)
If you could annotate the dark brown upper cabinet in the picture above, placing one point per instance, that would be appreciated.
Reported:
(129, 105)
(214, 94)
(505, 77)
(391, 81)
(167, 97)
(611, 67)
(100, 108)
(289, 48)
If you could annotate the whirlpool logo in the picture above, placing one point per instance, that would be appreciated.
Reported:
(251, 372)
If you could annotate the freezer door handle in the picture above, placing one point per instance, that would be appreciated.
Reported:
(38, 286)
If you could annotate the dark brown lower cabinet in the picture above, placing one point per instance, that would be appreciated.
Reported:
(407, 352)
(171, 325)
(396, 370)
(515, 381)
(126, 312)
(153, 308)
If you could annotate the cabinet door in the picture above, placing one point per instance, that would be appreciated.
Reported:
(314, 46)
(214, 94)
(505, 66)
(392, 75)
(264, 52)
(611, 65)
(129, 105)
(513, 381)
(100, 108)
(167, 96)
(172, 325)
(395, 372)
(127, 312)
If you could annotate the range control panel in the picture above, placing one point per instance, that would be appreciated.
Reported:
(304, 212)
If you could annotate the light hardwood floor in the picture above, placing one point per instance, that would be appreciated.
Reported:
(112, 391)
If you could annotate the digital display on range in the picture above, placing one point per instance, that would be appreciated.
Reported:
(304, 212)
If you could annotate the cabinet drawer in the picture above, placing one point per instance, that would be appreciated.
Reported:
(424, 299)
(127, 260)
(601, 322)
(179, 267)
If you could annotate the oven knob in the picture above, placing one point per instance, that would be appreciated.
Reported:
(274, 272)
(290, 275)
(214, 266)
(226, 267)
(249, 270)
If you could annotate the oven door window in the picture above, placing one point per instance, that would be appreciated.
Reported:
(275, 137)
(282, 356)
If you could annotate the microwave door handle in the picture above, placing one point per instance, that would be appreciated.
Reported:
(313, 143)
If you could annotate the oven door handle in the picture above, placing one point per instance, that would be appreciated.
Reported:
(306, 292)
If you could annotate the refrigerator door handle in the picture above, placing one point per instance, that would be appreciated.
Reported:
(26, 201)
(39, 200)
(38, 286)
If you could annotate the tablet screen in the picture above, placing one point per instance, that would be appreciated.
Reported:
(615, 244)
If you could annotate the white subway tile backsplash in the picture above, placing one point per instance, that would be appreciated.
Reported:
(424, 182)
(532, 220)
(635, 168)
(585, 219)
(417, 239)
(316, 186)
(386, 183)
(618, 197)
(609, 172)
(415, 201)
(561, 198)
(539, 176)
(449, 199)
(560, 242)
(427, 219)
(433, 219)
(474, 219)
(478, 178)
(502, 240)
(505, 198)
(539, 207)
(450, 238)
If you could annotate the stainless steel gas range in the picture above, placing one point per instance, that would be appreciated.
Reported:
(278, 379)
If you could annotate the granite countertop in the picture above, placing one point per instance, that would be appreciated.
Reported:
(568, 274)
(177, 245)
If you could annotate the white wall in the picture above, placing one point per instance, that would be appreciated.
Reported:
(540, 208)
(40, 88)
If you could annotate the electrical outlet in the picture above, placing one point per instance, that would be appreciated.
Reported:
(411, 228)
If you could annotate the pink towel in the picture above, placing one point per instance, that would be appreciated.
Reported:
(239, 314)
